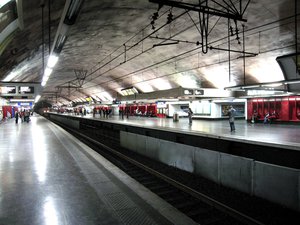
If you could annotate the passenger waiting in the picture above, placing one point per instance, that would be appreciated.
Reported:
(254, 117)
(266, 119)
(273, 116)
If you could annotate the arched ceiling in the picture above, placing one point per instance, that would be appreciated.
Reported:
(113, 45)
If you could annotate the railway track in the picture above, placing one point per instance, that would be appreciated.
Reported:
(196, 205)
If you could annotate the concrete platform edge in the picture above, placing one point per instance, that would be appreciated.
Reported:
(165, 209)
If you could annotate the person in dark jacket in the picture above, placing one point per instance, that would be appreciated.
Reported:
(231, 114)
(190, 115)
(17, 116)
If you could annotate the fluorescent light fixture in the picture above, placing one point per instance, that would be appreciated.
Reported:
(46, 76)
(52, 61)
(129, 91)
(44, 81)
(21, 100)
(48, 71)
(60, 41)
(37, 98)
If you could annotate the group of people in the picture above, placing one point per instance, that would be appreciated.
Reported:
(80, 111)
(24, 115)
(104, 111)
(268, 118)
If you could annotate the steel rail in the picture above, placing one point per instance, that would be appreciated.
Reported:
(200, 196)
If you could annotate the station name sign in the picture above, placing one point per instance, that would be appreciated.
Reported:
(8, 90)
(198, 92)
(16, 90)
(26, 90)
(193, 92)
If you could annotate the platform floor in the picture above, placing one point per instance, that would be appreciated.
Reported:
(49, 177)
(278, 134)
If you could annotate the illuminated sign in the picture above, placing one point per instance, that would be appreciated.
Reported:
(161, 104)
(260, 92)
(188, 92)
(199, 92)
(25, 103)
(129, 91)
(8, 90)
(26, 90)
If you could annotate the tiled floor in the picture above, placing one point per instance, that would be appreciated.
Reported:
(49, 177)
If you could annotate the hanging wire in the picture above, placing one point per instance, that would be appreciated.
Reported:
(259, 42)
(296, 35)
(229, 60)
(43, 37)
(49, 28)
(244, 56)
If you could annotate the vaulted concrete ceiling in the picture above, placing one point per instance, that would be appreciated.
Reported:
(113, 45)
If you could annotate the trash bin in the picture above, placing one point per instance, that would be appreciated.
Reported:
(175, 117)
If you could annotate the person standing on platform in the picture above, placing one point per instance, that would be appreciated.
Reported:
(231, 114)
(266, 118)
(190, 115)
(22, 114)
(127, 112)
(94, 112)
(17, 116)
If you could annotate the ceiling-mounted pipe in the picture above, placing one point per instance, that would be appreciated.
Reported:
(73, 11)
(62, 29)
(69, 16)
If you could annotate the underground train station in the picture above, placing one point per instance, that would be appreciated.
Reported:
(149, 112)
